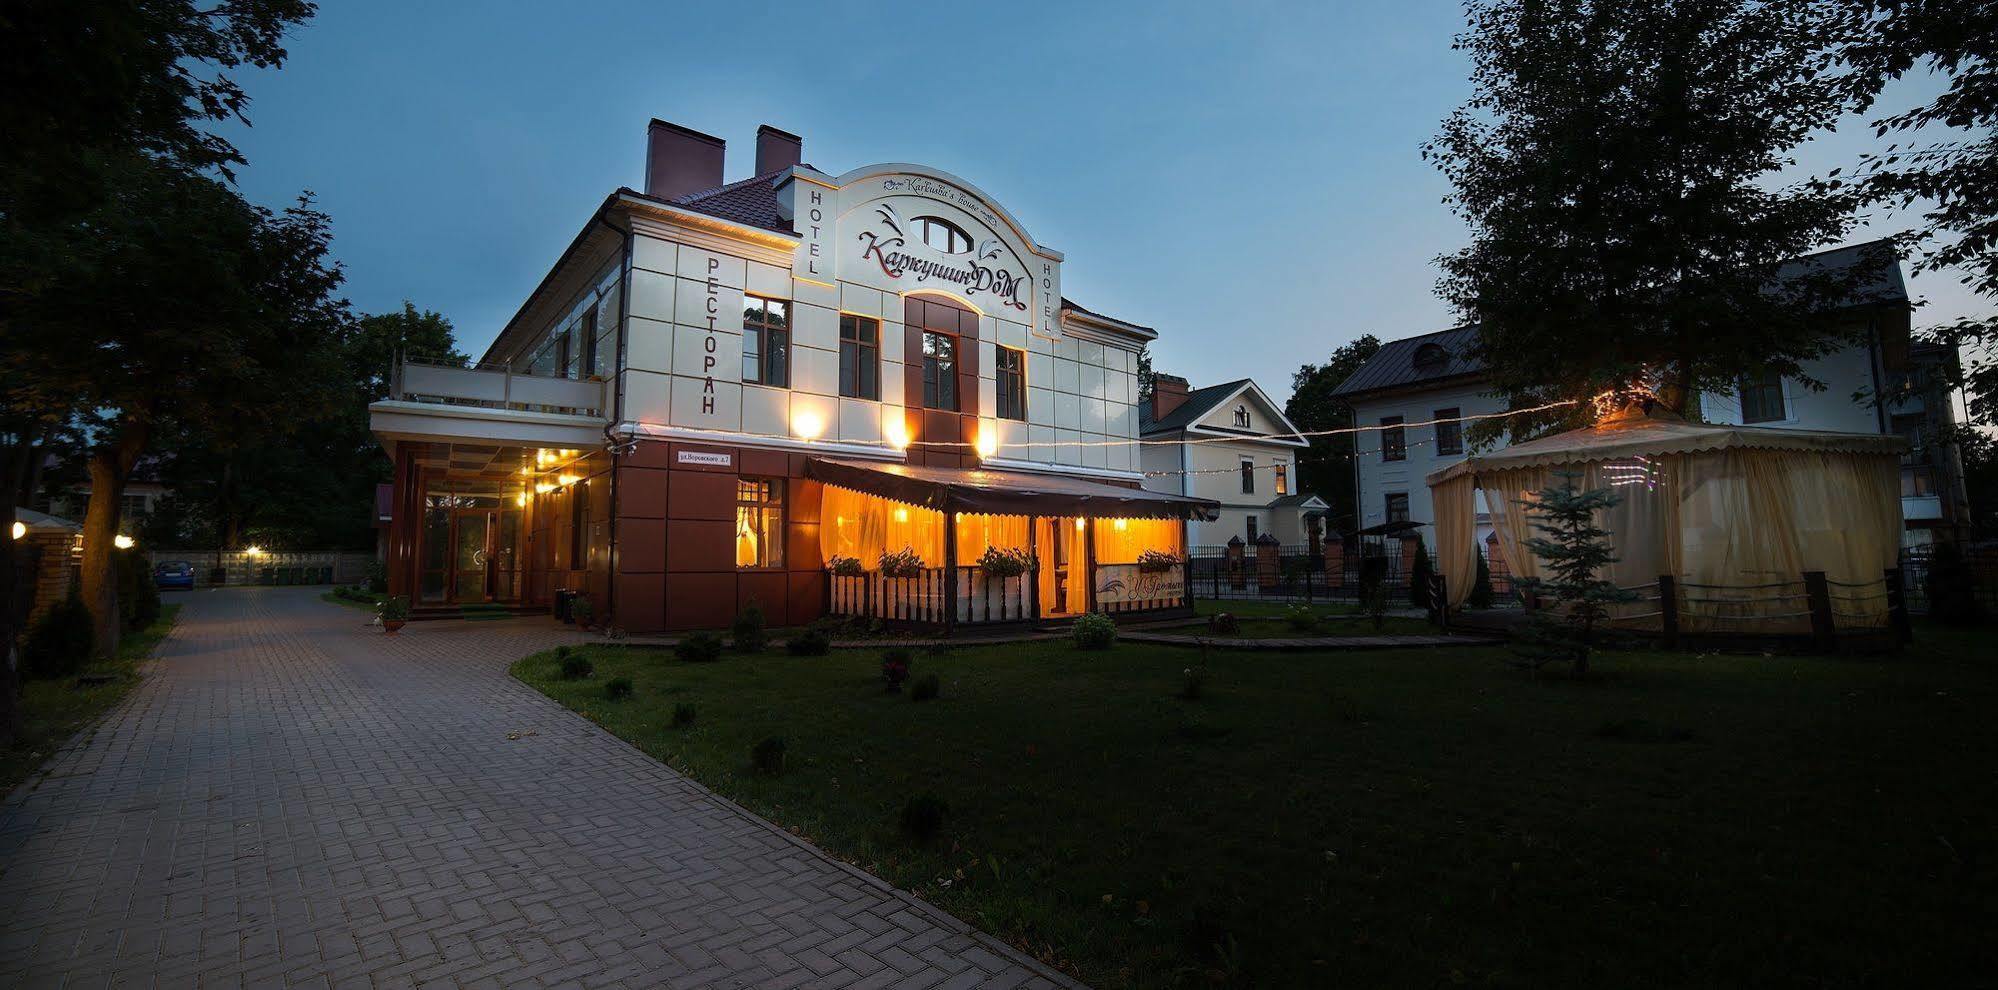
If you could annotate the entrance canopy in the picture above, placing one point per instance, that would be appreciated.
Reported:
(1009, 493)
(1733, 512)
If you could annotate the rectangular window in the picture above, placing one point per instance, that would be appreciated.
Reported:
(1011, 393)
(1283, 479)
(1248, 476)
(939, 371)
(759, 522)
(1394, 441)
(1252, 529)
(1762, 398)
(766, 341)
(859, 357)
(1449, 436)
(1397, 507)
(579, 523)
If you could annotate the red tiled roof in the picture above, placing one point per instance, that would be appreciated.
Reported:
(751, 201)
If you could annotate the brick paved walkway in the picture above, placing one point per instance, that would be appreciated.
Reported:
(292, 798)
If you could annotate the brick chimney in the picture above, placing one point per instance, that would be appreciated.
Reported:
(680, 160)
(1168, 392)
(777, 149)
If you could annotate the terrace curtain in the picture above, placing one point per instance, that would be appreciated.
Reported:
(977, 532)
(1122, 546)
(855, 524)
(1456, 535)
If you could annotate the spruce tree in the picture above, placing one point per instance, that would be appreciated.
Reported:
(1572, 551)
(1481, 586)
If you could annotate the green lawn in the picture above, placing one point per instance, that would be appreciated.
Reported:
(1398, 817)
(53, 710)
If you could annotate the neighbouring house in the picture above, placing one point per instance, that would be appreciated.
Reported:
(859, 394)
(1414, 387)
(1231, 444)
(144, 490)
(48, 559)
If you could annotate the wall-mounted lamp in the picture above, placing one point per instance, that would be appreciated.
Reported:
(20, 529)
(122, 542)
(809, 425)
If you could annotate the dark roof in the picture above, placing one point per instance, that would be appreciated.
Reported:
(1199, 402)
(1394, 366)
(1293, 499)
(751, 201)
(1013, 493)
(1067, 303)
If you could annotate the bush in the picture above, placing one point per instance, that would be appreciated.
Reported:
(684, 714)
(925, 688)
(923, 816)
(1224, 623)
(1301, 618)
(1193, 683)
(747, 629)
(700, 647)
(377, 577)
(617, 688)
(1094, 631)
(895, 668)
(845, 566)
(394, 609)
(1422, 579)
(581, 610)
(575, 666)
(61, 641)
(768, 756)
(810, 643)
(138, 596)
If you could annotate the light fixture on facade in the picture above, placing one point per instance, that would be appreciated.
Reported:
(896, 432)
(988, 443)
(253, 550)
(1081, 524)
(808, 424)
(520, 499)
(122, 542)
(565, 480)
(20, 529)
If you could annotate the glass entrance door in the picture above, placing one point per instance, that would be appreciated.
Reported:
(471, 561)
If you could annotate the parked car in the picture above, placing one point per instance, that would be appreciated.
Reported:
(174, 574)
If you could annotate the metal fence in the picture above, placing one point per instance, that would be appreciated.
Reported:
(1333, 574)
(1980, 567)
(271, 566)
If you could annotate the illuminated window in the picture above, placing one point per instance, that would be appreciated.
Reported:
(1011, 393)
(1449, 436)
(1394, 442)
(1283, 479)
(1762, 398)
(943, 235)
(1248, 476)
(766, 341)
(1242, 416)
(859, 357)
(939, 371)
(759, 522)
(1397, 507)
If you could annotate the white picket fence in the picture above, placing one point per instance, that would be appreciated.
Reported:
(273, 566)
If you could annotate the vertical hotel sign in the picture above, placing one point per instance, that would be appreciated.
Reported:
(811, 216)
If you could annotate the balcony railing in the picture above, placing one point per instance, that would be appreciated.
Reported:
(496, 388)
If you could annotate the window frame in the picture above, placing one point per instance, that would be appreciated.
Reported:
(1253, 533)
(1282, 476)
(771, 550)
(1769, 381)
(1248, 476)
(952, 234)
(935, 381)
(1009, 383)
(864, 367)
(1388, 507)
(1394, 439)
(1452, 440)
(772, 353)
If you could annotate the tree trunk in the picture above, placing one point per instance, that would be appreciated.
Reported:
(110, 466)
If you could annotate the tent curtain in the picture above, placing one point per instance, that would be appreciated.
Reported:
(1738, 527)
(1116, 545)
(863, 526)
(1456, 536)
(976, 532)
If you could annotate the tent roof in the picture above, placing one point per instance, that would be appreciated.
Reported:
(42, 521)
(1637, 435)
(1008, 493)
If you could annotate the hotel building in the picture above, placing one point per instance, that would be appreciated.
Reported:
(819, 393)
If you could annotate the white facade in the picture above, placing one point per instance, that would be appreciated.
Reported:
(1241, 452)
(1380, 477)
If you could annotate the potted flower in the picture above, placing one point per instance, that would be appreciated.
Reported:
(895, 669)
(1157, 561)
(903, 563)
(1005, 563)
(845, 566)
(394, 612)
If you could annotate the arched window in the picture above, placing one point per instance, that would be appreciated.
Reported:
(943, 235)
(1242, 416)
(1430, 357)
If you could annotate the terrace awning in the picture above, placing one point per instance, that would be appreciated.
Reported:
(1007, 493)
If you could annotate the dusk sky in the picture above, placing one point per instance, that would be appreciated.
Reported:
(1245, 179)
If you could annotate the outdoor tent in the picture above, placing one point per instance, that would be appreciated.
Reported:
(1735, 515)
